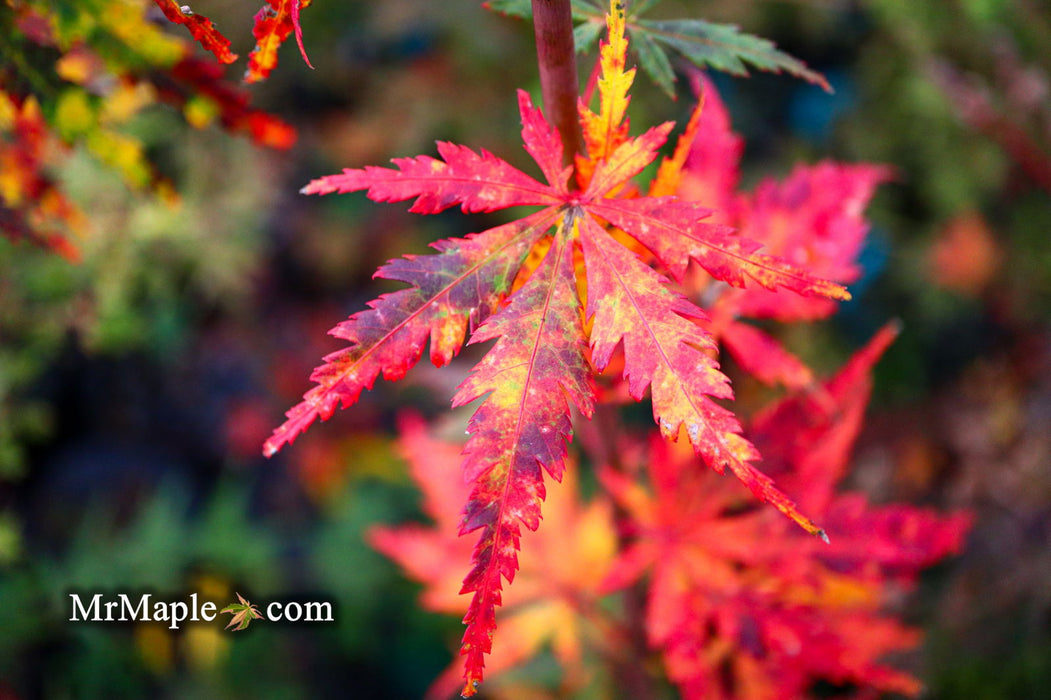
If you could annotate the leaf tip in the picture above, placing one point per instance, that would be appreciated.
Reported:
(803, 521)
(834, 291)
(270, 448)
(296, 7)
(317, 186)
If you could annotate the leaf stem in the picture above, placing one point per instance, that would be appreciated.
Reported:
(556, 56)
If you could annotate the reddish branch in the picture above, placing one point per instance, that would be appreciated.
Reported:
(975, 106)
(556, 55)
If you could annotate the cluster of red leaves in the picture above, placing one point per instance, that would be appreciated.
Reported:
(194, 78)
(271, 27)
(201, 28)
(815, 218)
(739, 603)
(80, 73)
(32, 207)
(585, 284)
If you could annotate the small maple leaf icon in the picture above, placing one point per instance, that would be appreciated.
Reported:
(243, 614)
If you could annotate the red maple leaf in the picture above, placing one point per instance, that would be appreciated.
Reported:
(539, 364)
(739, 605)
(202, 29)
(273, 23)
(815, 218)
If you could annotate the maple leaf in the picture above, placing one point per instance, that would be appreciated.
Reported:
(243, 614)
(607, 129)
(721, 46)
(272, 25)
(538, 367)
(523, 424)
(741, 606)
(814, 218)
(762, 356)
(712, 159)
(555, 593)
(201, 28)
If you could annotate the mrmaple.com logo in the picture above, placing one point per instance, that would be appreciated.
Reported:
(144, 608)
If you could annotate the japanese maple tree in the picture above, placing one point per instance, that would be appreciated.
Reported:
(596, 280)
(608, 290)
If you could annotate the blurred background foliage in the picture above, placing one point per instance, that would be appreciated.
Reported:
(137, 386)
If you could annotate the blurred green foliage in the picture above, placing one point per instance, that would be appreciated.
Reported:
(173, 545)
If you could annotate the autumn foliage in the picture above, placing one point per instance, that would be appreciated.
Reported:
(739, 603)
(608, 291)
(594, 297)
(75, 76)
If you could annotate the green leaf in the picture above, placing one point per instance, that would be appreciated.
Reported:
(243, 614)
(584, 35)
(724, 47)
(655, 62)
(720, 46)
(588, 8)
(512, 8)
(639, 7)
